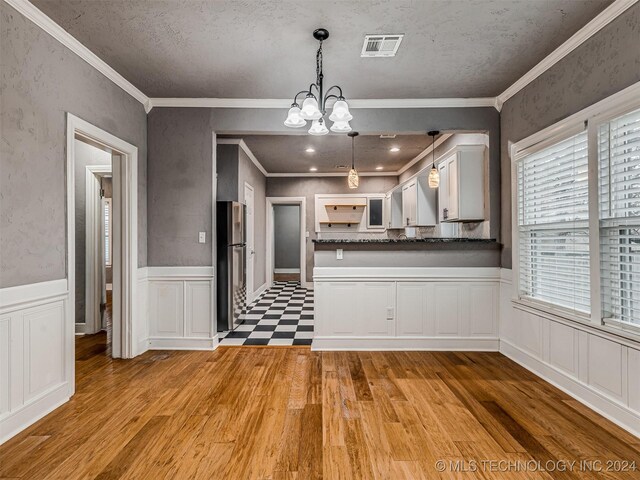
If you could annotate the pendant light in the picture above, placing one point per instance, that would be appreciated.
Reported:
(352, 180)
(434, 176)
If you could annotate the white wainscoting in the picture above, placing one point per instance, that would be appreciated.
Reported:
(597, 368)
(36, 368)
(406, 308)
(141, 333)
(181, 308)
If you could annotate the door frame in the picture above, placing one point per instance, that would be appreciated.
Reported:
(93, 245)
(250, 253)
(125, 178)
(302, 202)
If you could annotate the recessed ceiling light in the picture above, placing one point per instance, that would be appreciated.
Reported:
(379, 167)
(394, 149)
(310, 150)
(313, 169)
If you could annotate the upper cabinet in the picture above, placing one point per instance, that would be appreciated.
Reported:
(461, 190)
(418, 203)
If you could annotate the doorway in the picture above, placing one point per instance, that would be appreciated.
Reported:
(286, 245)
(123, 239)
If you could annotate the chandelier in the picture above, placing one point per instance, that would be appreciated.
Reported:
(315, 102)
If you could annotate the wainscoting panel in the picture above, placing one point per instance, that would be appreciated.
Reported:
(598, 368)
(406, 308)
(35, 366)
(181, 314)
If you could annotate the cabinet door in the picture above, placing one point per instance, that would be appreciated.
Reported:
(452, 185)
(409, 200)
(387, 211)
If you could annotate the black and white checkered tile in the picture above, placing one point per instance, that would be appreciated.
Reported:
(283, 315)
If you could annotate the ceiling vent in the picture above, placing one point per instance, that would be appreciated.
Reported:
(381, 45)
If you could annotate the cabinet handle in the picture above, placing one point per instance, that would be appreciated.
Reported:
(445, 213)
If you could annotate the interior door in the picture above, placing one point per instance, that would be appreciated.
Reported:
(251, 254)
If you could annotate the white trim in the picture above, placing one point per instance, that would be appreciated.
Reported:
(93, 276)
(240, 142)
(270, 244)
(432, 274)
(618, 413)
(56, 31)
(183, 343)
(81, 328)
(182, 273)
(260, 290)
(286, 270)
(12, 298)
(250, 250)
(585, 33)
(332, 174)
(125, 177)
(33, 411)
(285, 103)
(452, 344)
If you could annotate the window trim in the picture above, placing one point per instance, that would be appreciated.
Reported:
(590, 119)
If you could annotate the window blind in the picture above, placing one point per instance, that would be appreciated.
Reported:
(107, 232)
(553, 223)
(619, 200)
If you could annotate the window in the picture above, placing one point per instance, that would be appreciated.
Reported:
(619, 206)
(553, 224)
(107, 231)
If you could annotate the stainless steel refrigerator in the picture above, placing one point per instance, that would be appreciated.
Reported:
(231, 264)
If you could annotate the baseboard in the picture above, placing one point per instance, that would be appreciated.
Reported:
(257, 292)
(80, 328)
(143, 346)
(16, 421)
(286, 270)
(618, 413)
(407, 343)
(307, 285)
(183, 343)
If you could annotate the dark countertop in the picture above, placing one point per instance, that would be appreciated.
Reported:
(404, 240)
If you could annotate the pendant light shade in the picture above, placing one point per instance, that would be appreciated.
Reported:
(353, 181)
(340, 112)
(434, 175)
(341, 127)
(318, 128)
(310, 109)
(294, 120)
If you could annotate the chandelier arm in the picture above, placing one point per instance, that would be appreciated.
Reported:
(295, 99)
(339, 88)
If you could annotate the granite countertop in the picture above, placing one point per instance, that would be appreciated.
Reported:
(404, 240)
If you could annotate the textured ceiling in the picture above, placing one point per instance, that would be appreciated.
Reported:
(286, 153)
(264, 48)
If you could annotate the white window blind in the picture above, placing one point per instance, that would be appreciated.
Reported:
(107, 231)
(619, 166)
(553, 223)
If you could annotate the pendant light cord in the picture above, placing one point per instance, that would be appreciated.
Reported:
(353, 162)
(433, 152)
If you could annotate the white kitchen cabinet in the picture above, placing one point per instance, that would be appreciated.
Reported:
(418, 203)
(393, 209)
(461, 191)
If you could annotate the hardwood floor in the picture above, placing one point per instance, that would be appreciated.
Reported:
(289, 413)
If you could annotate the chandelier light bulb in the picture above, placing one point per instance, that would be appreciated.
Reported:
(310, 109)
(294, 120)
(340, 112)
(318, 128)
(341, 127)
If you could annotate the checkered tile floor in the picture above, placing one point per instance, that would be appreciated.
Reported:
(283, 315)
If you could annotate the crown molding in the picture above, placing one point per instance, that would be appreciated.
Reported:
(283, 103)
(32, 13)
(245, 148)
(594, 26)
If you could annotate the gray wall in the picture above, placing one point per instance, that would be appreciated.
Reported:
(85, 155)
(605, 64)
(286, 227)
(227, 167)
(249, 173)
(180, 188)
(40, 81)
(308, 186)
